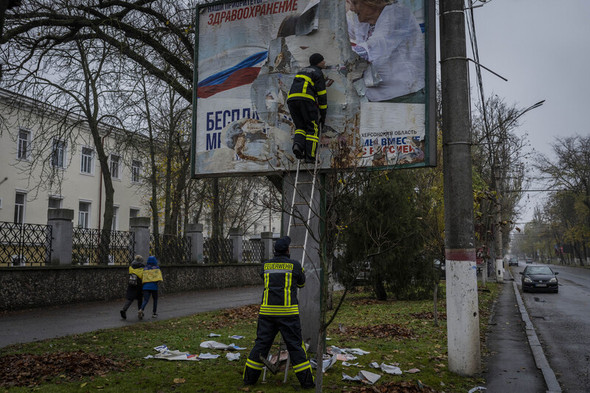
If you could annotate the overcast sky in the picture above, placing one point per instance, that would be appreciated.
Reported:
(542, 47)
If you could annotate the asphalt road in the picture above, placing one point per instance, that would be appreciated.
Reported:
(50, 322)
(562, 323)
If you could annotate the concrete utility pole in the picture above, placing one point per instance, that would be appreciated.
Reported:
(462, 303)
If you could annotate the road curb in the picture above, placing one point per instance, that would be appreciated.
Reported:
(536, 348)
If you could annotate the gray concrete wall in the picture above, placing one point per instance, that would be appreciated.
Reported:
(29, 287)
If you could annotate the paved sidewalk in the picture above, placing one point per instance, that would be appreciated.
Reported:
(50, 322)
(516, 363)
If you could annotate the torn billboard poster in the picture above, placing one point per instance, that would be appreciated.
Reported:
(379, 107)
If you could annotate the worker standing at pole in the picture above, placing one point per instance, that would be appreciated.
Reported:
(308, 103)
(279, 312)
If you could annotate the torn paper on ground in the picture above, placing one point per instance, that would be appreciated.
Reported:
(363, 376)
(346, 364)
(218, 345)
(167, 354)
(236, 337)
(231, 356)
(345, 357)
(390, 369)
(214, 335)
(326, 363)
(207, 356)
(333, 350)
(356, 351)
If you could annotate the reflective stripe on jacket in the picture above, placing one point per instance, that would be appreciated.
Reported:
(310, 84)
(282, 276)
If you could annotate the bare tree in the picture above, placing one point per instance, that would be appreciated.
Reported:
(499, 164)
(156, 34)
(569, 204)
(83, 88)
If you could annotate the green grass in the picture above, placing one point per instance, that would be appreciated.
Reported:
(393, 331)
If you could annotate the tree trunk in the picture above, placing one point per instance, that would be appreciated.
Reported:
(379, 287)
(435, 298)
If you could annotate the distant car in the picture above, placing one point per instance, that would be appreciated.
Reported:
(529, 260)
(512, 262)
(539, 278)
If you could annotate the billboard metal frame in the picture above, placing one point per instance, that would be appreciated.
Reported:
(430, 129)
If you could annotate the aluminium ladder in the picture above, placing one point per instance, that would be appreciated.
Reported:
(308, 204)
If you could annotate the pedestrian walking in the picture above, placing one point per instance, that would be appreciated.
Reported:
(308, 104)
(279, 312)
(152, 276)
(134, 284)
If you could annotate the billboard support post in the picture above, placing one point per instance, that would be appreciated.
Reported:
(461, 270)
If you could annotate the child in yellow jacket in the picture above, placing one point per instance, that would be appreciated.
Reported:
(134, 284)
(152, 275)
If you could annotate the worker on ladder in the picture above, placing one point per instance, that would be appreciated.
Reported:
(279, 312)
(308, 103)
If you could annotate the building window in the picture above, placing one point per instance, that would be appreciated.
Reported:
(58, 157)
(84, 215)
(86, 161)
(135, 171)
(19, 207)
(115, 223)
(115, 161)
(133, 213)
(54, 203)
(24, 145)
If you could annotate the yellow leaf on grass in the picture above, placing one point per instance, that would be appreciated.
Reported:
(179, 380)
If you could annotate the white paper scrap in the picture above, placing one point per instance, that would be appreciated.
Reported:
(356, 351)
(369, 377)
(207, 356)
(231, 356)
(390, 369)
(363, 376)
(213, 345)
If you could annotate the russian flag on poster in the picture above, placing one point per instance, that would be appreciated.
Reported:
(241, 74)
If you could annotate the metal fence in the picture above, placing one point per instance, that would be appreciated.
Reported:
(90, 247)
(217, 250)
(170, 249)
(24, 244)
(252, 251)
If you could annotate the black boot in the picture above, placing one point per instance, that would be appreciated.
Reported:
(298, 151)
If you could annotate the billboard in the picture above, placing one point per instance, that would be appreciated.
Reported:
(380, 106)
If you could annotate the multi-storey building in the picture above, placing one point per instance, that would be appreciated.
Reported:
(48, 160)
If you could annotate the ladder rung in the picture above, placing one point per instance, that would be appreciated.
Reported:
(296, 246)
(297, 225)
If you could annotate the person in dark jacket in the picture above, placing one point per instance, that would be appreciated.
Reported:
(308, 103)
(152, 275)
(279, 312)
(134, 285)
